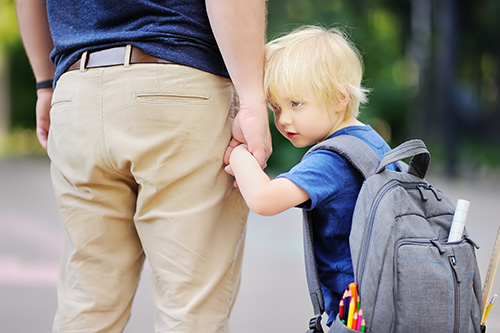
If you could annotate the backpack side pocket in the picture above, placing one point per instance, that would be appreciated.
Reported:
(435, 286)
(424, 287)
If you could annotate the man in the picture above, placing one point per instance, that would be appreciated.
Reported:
(141, 120)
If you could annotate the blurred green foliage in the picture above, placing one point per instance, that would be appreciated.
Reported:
(22, 89)
(9, 32)
(443, 87)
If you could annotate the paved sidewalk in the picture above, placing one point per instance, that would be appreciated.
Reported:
(273, 295)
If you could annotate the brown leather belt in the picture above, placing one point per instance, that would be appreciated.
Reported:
(114, 57)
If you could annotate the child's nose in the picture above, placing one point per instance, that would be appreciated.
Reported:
(285, 118)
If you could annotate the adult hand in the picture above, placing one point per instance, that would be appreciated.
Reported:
(35, 32)
(44, 97)
(251, 126)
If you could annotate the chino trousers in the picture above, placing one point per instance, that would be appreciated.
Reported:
(136, 163)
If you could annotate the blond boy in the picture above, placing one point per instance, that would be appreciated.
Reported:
(313, 85)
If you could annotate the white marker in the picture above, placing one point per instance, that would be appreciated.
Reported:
(458, 224)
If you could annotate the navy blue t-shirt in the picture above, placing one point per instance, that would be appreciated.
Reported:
(333, 185)
(178, 31)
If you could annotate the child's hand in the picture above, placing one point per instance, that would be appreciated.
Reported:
(229, 170)
(234, 150)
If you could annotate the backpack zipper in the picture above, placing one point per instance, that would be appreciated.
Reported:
(368, 233)
(453, 263)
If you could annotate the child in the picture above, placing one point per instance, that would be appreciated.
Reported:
(313, 84)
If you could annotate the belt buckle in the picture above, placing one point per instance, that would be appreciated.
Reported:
(108, 57)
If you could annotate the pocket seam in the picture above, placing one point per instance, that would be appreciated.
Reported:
(165, 96)
(60, 101)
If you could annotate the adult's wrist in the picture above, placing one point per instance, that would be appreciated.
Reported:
(252, 101)
(44, 84)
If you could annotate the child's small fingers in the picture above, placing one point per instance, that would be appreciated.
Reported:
(229, 170)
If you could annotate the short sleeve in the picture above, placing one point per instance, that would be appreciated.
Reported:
(321, 174)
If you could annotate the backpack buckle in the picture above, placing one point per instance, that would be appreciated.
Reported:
(315, 325)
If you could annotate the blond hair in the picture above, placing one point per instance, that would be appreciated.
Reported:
(318, 60)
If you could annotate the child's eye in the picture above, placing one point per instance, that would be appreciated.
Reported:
(296, 104)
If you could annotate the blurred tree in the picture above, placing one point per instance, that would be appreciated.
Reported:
(457, 109)
(432, 65)
(8, 35)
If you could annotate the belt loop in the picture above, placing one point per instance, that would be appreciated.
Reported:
(128, 55)
(83, 61)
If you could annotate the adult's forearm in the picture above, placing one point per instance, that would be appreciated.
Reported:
(35, 33)
(239, 28)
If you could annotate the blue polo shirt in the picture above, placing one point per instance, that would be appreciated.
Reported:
(177, 30)
(333, 185)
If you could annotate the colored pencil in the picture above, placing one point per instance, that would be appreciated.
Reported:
(353, 289)
(354, 324)
(342, 305)
(488, 308)
(360, 318)
(347, 302)
(351, 313)
(341, 309)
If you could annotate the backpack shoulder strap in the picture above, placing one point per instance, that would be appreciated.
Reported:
(355, 150)
(312, 276)
(364, 159)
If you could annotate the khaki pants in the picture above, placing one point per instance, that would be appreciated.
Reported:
(137, 170)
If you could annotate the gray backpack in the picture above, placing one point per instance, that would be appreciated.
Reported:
(409, 278)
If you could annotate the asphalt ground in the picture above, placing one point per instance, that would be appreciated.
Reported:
(273, 295)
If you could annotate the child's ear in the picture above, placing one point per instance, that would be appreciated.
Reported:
(342, 102)
(344, 96)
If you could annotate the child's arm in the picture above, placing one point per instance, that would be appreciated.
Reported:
(262, 195)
